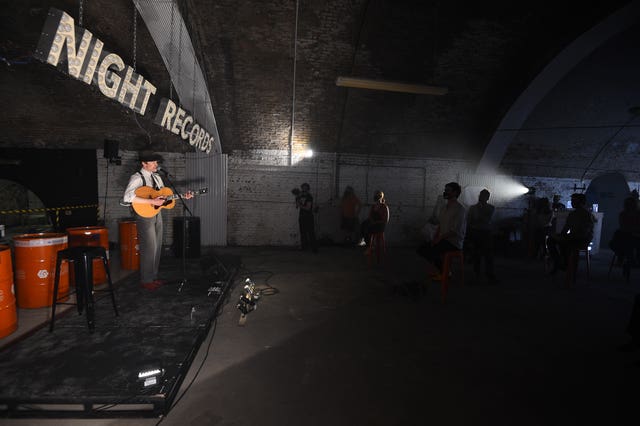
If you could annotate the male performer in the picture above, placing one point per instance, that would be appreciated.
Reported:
(149, 228)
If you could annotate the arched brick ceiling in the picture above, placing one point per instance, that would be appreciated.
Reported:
(486, 54)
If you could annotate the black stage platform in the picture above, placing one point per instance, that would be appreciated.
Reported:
(72, 373)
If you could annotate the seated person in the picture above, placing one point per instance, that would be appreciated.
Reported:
(576, 234)
(451, 230)
(626, 240)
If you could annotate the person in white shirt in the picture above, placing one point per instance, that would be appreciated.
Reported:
(451, 229)
(149, 229)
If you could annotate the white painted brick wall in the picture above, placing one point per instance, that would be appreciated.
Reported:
(261, 209)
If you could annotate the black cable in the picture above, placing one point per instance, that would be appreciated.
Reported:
(215, 325)
(195, 376)
(268, 289)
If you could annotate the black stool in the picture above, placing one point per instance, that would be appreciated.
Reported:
(82, 258)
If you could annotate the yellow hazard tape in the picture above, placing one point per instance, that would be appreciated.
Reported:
(51, 209)
(48, 209)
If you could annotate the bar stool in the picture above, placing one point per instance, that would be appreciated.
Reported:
(82, 258)
(376, 242)
(572, 264)
(449, 256)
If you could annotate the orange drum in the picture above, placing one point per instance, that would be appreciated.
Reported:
(129, 247)
(36, 256)
(91, 236)
(8, 313)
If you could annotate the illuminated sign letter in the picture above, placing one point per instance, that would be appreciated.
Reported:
(184, 134)
(129, 87)
(104, 74)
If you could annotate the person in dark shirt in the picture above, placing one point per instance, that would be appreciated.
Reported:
(576, 234)
(480, 235)
(304, 204)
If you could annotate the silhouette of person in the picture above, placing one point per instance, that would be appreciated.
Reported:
(304, 204)
(543, 225)
(451, 230)
(349, 210)
(576, 233)
(556, 205)
(626, 239)
(378, 216)
(480, 235)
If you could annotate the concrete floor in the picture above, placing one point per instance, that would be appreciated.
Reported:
(334, 344)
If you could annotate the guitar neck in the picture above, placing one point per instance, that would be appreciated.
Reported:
(194, 193)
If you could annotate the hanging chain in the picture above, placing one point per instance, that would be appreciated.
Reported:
(170, 55)
(80, 14)
(179, 76)
(193, 77)
(135, 34)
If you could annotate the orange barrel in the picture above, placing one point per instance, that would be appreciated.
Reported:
(91, 236)
(35, 256)
(129, 247)
(8, 313)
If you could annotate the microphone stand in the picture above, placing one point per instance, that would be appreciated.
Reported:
(166, 175)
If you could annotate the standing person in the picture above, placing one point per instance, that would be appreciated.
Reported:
(451, 229)
(349, 210)
(150, 229)
(480, 234)
(556, 205)
(544, 217)
(378, 217)
(304, 204)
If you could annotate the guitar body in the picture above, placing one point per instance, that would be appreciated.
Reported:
(149, 210)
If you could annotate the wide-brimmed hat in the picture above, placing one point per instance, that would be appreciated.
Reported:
(149, 156)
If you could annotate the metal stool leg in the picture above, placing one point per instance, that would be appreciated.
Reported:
(113, 296)
(88, 290)
(56, 283)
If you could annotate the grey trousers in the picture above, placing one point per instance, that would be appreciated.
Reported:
(150, 240)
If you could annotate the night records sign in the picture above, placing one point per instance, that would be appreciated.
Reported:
(74, 51)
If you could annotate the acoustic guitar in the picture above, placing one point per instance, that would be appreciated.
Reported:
(149, 210)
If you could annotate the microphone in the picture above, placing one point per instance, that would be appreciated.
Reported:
(163, 171)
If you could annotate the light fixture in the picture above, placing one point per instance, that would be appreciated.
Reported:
(308, 153)
(150, 376)
(248, 298)
(391, 86)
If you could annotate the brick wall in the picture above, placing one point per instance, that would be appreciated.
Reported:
(261, 208)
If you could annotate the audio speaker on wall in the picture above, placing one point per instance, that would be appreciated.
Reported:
(110, 149)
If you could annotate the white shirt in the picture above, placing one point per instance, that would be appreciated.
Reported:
(453, 219)
(136, 181)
